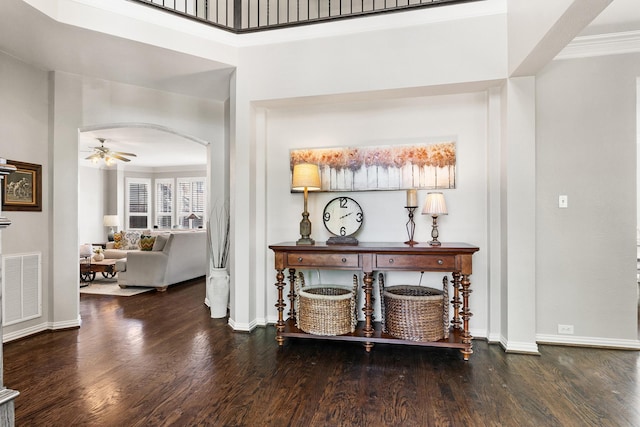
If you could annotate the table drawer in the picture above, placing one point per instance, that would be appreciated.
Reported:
(415, 262)
(322, 260)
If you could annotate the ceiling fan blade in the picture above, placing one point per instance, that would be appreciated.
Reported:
(123, 154)
(116, 156)
(93, 156)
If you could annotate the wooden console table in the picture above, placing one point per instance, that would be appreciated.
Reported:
(368, 257)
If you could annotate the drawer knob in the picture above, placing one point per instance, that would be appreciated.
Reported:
(344, 260)
(299, 259)
(440, 262)
(390, 260)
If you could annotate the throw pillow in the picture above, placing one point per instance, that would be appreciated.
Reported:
(161, 241)
(131, 240)
(146, 242)
(117, 240)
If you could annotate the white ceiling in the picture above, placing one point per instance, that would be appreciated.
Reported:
(153, 146)
(55, 46)
(619, 16)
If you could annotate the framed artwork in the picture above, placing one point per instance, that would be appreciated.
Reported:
(22, 188)
(428, 165)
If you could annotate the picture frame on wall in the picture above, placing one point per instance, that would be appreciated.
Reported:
(22, 188)
(430, 164)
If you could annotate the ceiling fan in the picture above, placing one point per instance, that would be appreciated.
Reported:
(107, 155)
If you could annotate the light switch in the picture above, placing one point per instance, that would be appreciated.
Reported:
(563, 201)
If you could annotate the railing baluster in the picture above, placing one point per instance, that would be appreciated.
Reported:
(238, 14)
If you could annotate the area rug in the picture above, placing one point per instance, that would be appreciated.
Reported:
(110, 287)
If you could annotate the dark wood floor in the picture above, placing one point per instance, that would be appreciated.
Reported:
(157, 359)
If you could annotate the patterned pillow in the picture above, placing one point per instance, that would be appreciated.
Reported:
(130, 240)
(146, 242)
(117, 240)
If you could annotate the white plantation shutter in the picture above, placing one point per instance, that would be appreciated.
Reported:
(138, 203)
(191, 199)
(164, 203)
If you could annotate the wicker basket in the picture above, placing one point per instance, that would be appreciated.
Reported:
(415, 313)
(326, 309)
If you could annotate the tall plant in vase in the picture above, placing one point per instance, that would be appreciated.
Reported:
(218, 226)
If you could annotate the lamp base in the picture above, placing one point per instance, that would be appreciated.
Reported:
(435, 243)
(305, 241)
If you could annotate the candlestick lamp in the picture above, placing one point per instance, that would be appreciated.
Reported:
(434, 206)
(306, 177)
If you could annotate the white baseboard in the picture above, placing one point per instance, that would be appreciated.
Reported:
(519, 347)
(588, 341)
(243, 327)
(47, 326)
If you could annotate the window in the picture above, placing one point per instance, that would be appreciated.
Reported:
(138, 203)
(191, 200)
(164, 203)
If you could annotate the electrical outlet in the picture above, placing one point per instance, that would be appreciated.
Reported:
(565, 329)
(563, 201)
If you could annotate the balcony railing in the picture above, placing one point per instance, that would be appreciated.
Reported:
(242, 16)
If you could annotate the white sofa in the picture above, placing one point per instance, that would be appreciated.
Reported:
(183, 257)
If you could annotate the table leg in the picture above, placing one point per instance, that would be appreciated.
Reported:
(466, 315)
(368, 308)
(455, 321)
(292, 294)
(280, 307)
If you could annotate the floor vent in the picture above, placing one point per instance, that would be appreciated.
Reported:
(21, 288)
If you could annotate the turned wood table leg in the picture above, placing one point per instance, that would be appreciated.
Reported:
(280, 307)
(455, 321)
(292, 294)
(466, 315)
(368, 309)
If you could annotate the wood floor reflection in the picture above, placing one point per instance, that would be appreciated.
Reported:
(157, 359)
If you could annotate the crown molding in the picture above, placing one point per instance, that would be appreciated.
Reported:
(601, 45)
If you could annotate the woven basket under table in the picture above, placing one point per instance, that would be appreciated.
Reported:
(326, 309)
(415, 313)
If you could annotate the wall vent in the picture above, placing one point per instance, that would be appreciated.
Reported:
(21, 288)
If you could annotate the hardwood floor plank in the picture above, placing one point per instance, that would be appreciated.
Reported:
(158, 359)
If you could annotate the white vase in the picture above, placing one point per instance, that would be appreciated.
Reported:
(98, 257)
(218, 292)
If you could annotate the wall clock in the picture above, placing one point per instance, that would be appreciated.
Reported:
(343, 217)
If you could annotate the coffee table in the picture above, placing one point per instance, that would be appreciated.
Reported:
(89, 269)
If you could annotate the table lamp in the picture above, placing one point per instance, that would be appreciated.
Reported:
(110, 221)
(306, 177)
(86, 252)
(434, 206)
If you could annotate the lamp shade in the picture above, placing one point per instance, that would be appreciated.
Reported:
(435, 205)
(305, 175)
(86, 250)
(193, 216)
(111, 221)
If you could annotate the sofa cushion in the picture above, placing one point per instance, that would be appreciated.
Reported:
(161, 240)
(147, 242)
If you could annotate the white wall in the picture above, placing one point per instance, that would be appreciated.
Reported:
(410, 61)
(92, 204)
(586, 149)
(382, 122)
(24, 119)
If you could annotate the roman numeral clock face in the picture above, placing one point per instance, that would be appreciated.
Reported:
(343, 217)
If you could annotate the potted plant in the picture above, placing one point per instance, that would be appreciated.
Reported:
(217, 298)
